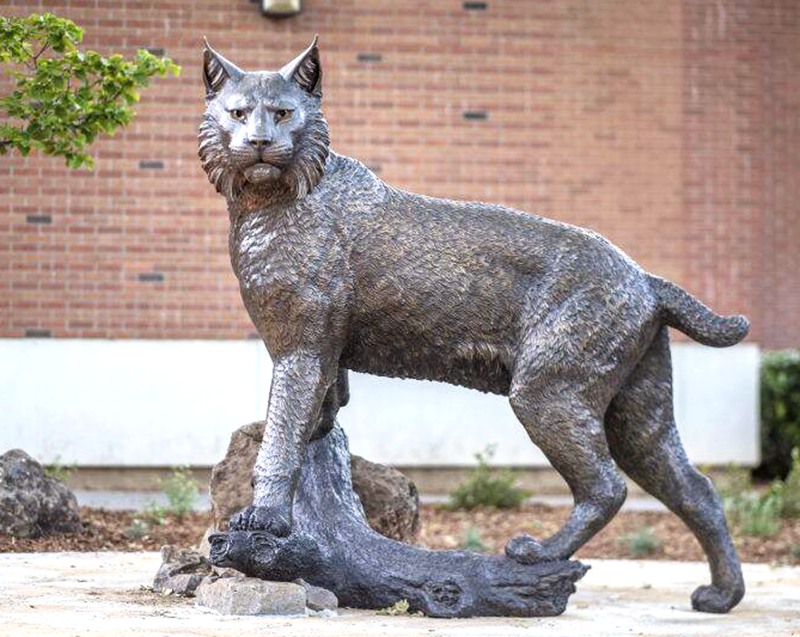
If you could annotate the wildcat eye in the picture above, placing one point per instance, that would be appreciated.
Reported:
(238, 114)
(282, 114)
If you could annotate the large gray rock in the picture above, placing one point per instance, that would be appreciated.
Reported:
(390, 500)
(251, 596)
(31, 503)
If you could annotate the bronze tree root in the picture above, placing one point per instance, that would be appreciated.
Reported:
(331, 545)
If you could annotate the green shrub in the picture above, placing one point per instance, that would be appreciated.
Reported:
(780, 412)
(789, 490)
(181, 491)
(485, 487)
(642, 543)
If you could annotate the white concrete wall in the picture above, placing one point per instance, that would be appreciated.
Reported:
(164, 403)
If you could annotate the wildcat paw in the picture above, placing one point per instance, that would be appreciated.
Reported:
(256, 518)
(525, 550)
(711, 599)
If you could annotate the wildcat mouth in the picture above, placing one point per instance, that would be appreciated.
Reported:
(261, 172)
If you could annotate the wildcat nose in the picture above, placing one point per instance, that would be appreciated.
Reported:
(259, 142)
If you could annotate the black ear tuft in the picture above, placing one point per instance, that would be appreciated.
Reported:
(306, 70)
(217, 70)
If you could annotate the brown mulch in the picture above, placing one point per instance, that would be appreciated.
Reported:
(115, 531)
(441, 529)
(448, 529)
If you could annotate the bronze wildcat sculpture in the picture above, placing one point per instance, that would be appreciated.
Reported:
(340, 271)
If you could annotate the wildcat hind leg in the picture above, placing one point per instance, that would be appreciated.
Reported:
(572, 437)
(573, 358)
(644, 442)
(561, 407)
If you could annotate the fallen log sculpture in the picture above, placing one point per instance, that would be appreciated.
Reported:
(332, 546)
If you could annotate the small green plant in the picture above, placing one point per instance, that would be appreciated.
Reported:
(642, 543)
(60, 471)
(180, 489)
(759, 514)
(398, 608)
(485, 487)
(137, 529)
(751, 512)
(473, 541)
(154, 514)
(795, 551)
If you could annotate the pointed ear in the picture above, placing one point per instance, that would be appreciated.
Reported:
(305, 70)
(217, 70)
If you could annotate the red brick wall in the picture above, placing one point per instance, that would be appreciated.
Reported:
(741, 161)
(671, 127)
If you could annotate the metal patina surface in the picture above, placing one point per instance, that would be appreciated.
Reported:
(341, 271)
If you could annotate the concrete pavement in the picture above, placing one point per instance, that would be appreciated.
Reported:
(86, 594)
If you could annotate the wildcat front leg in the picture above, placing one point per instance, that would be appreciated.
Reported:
(299, 385)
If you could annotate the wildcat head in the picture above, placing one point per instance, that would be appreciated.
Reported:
(263, 133)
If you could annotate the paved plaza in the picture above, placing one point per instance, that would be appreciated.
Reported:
(105, 594)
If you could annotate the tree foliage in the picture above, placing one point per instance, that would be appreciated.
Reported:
(62, 97)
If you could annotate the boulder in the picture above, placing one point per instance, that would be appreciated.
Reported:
(31, 503)
(230, 487)
(251, 596)
(390, 500)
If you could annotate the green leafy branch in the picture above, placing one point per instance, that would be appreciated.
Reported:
(64, 97)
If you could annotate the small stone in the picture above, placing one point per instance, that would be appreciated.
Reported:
(181, 571)
(318, 598)
(251, 596)
(31, 503)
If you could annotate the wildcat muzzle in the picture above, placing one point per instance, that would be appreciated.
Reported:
(261, 172)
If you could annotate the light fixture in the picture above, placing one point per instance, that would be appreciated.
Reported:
(280, 8)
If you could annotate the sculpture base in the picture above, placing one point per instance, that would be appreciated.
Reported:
(332, 546)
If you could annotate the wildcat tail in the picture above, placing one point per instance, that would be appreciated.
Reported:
(684, 312)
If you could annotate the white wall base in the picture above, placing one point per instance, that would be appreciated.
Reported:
(165, 403)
